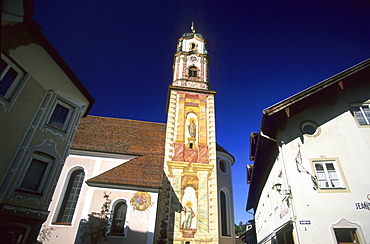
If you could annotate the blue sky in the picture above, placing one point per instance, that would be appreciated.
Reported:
(261, 53)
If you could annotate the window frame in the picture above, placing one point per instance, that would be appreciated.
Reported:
(68, 119)
(45, 158)
(225, 167)
(360, 106)
(193, 71)
(338, 170)
(314, 125)
(346, 224)
(17, 84)
(65, 200)
(113, 211)
(225, 230)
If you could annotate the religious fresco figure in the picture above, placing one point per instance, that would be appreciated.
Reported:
(189, 215)
(141, 201)
(192, 128)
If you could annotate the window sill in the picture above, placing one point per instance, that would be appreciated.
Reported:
(333, 190)
(64, 224)
(21, 190)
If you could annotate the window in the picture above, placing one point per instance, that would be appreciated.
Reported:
(193, 46)
(285, 236)
(36, 175)
(328, 175)
(362, 114)
(223, 166)
(193, 71)
(119, 218)
(71, 196)
(61, 115)
(345, 232)
(225, 226)
(309, 128)
(11, 81)
(346, 235)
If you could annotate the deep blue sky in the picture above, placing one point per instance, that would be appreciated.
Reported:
(262, 52)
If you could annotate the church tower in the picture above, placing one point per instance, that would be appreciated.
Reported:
(190, 209)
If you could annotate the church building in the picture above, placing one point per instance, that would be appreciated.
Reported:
(162, 183)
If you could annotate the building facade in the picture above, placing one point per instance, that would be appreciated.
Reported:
(119, 158)
(41, 102)
(308, 183)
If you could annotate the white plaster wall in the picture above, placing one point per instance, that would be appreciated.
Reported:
(340, 137)
(224, 182)
(141, 224)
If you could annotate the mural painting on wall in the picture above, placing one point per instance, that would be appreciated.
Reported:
(141, 201)
(192, 130)
(192, 127)
(189, 211)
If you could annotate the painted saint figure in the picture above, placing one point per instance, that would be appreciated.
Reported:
(189, 214)
(192, 128)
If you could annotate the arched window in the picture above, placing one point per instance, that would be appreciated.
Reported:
(119, 218)
(223, 166)
(193, 71)
(225, 214)
(70, 198)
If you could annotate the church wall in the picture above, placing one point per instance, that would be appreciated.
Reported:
(140, 219)
(224, 184)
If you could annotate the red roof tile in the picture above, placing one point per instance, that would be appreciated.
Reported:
(122, 136)
(145, 171)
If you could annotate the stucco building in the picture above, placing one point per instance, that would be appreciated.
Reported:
(309, 180)
(41, 102)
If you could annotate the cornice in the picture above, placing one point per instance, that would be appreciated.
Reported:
(181, 88)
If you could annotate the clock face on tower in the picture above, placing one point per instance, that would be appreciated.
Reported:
(193, 59)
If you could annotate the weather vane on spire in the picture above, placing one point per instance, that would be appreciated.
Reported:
(192, 27)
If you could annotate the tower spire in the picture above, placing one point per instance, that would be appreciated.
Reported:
(192, 27)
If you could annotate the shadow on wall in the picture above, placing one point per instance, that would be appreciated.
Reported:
(168, 206)
(131, 237)
(325, 111)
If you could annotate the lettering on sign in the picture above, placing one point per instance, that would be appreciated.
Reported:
(363, 205)
(305, 222)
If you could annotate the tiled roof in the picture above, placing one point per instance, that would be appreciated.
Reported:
(145, 171)
(121, 136)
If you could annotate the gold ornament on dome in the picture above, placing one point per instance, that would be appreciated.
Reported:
(141, 201)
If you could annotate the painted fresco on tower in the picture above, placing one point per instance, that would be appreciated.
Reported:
(189, 205)
(192, 128)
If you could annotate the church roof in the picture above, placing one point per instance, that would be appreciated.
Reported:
(129, 137)
(122, 136)
(145, 171)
